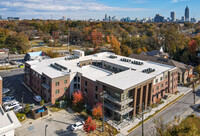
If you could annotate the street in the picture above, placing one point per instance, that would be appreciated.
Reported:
(168, 114)
(13, 80)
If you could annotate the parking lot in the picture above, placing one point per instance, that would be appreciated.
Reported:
(59, 124)
(13, 80)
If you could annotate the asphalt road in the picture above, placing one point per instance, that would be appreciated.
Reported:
(13, 80)
(168, 114)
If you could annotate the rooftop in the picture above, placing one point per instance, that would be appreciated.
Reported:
(8, 121)
(95, 73)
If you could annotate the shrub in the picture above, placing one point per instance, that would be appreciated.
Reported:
(41, 102)
(21, 116)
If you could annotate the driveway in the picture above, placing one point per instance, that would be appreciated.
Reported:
(58, 125)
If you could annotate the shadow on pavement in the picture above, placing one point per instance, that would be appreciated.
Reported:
(66, 132)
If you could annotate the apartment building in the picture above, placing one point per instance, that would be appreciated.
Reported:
(129, 83)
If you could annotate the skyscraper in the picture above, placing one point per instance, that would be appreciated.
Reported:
(173, 16)
(187, 13)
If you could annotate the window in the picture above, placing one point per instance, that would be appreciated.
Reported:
(156, 80)
(157, 87)
(160, 78)
(65, 81)
(57, 83)
(75, 79)
(65, 89)
(86, 90)
(57, 91)
(161, 85)
(78, 86)
(85, 83)
(165, 83)
(78, 79)
(96, 96)
(96, 88)
(74, 86)
(165, 76)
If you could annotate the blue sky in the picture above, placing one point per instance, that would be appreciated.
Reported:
(85, 9)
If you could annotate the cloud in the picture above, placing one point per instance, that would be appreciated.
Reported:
(62, 5)
(176, 1)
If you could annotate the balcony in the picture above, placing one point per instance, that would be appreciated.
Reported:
(121, 112)
(124, 102)
(47, 87)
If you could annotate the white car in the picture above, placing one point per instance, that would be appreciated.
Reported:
(17, 108)
(9, 102)
(5, 90)
(11, 106)
(77, 125)
(37, 98)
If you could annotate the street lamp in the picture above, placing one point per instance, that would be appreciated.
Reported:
(46, 130)
(23, 99)
(103, 96)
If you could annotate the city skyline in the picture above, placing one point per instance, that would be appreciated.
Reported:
(85, 9)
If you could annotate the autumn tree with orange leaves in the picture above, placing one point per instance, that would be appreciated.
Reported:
(192, 47)
(77, 98)
(95, 37)
(97, 111)
(90, 125)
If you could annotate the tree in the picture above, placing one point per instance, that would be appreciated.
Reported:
(19, 41)
(97, 111)
(41, 102)
(192, 47)
(27, 108)
(77, 98)
(197, 69)
(90, 125)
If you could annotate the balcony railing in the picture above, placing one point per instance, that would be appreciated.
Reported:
(47, 87)
(124, 102)
(121, 112)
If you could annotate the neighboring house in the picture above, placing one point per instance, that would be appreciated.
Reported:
(127, 82)
(185, 72)
(156, 53)
(8, 123)
(35, 56)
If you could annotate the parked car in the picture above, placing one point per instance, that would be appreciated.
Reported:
(37, 98)
(5, 90)
(8, 98)
(11, 106)
(9, 102)
(17, 108)
(77, 126)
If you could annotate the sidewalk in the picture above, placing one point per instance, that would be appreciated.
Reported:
(132, 124)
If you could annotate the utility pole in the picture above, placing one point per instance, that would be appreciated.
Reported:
(193, 86)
